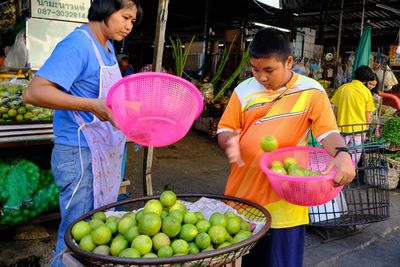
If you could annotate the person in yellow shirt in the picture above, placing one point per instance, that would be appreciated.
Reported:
(276, 101)
(354, 105)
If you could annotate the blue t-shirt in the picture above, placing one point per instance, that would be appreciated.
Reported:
(74, 67)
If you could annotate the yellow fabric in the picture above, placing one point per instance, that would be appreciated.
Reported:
(304, 105)
(352, 101)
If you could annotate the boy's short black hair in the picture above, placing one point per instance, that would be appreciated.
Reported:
(101, 10)
(364, 74)
(270, 42)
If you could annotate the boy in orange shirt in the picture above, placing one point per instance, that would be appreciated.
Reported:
(288, 106)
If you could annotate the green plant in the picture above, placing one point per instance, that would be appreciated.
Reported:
(228, 82)
(391, 131)
(180, 54)
(222, 63)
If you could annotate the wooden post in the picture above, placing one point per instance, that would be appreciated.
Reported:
(339, 40)
(157, 61)
(362, 18)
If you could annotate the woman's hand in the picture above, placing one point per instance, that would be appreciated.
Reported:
(101, 111)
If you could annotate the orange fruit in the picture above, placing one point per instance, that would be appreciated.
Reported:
(153, 205)
(143, 244)
(86, 243)
(118, 244)
(129, 253)
(171, 226)
(101, 235)
(80, 229)
(165, 251)
(218, 234)
(168, 198)
(160, 240)
(188, 232)
(218, 218)
(203, 241)
(180, 247)
(268, 143)
(150, 224)
(102, 250)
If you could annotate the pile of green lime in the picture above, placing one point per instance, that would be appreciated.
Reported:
(290, 166)
(13, 109)
(163, 228)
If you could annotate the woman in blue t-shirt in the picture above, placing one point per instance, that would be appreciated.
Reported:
(74, 82)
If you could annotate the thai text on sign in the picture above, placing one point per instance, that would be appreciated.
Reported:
(68, 10)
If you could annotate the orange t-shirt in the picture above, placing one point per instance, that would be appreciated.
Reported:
(303, 106)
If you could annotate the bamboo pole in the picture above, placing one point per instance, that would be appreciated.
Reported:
(157, 61)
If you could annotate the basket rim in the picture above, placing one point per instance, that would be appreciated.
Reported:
(168, 260)
(168, 76)
(283, 177)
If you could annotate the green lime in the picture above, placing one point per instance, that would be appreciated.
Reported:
(21, 110)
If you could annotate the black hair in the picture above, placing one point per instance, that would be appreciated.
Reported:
(2, 53)
(101, 10)
(364, 74)
(270, 42)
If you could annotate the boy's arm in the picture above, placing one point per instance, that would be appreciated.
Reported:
(342, 162)
(229, 143)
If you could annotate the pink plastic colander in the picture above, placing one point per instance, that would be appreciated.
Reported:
(154, 109)
(302, 190)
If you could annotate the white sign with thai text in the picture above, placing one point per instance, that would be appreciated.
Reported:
(68, 10)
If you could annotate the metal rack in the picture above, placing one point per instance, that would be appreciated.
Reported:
(364, 200)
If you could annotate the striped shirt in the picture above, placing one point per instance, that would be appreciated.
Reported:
(302, 105)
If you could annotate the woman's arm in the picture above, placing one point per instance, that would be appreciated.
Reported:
(44, 93)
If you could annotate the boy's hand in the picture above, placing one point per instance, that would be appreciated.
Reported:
(232, 149)
(345, 170)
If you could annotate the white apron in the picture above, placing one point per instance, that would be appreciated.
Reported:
(106, 143)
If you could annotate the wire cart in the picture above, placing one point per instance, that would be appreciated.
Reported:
(366, 199)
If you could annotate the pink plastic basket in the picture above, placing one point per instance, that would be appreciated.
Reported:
(302, 190)
(154, 109)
